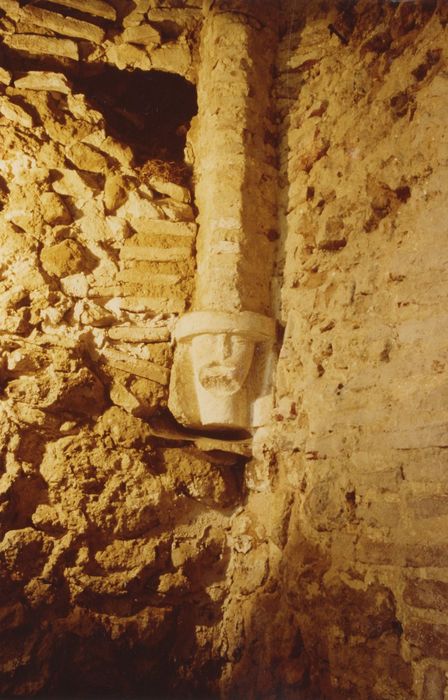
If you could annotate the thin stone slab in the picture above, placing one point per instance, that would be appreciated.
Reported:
(154, 305)
(140, 334)
(157, 279)
(67, 26)
(167, 429)
(38, 44)
(43, 80)
(140, 368)
(138, 252)
(163, 227)
(98, 8)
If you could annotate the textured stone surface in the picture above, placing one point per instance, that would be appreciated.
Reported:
(354, 472)
(141, 559)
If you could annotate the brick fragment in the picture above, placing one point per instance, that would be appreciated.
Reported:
(393, 554)
(423, 593)
(430, 506)
(434, 684)
(428, 639)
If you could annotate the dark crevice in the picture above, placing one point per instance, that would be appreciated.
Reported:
(165, 422)
(149, 111)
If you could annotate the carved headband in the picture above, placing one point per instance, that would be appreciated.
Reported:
(248, 324)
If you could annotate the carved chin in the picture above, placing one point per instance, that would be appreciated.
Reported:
(222, 381)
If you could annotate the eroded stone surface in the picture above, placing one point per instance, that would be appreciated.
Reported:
(146, 554)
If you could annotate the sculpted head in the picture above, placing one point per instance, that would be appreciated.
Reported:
(221, 362)
(214, 381)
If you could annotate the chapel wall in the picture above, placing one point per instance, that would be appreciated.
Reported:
(354, 473)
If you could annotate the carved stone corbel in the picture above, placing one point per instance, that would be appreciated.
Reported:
(222, 372)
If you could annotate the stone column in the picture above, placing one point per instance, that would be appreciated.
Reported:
(222, 363)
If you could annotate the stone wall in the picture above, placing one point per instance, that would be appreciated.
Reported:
(141, 559)
(114, 548)
(347, 503)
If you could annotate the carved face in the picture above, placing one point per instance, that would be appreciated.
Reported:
(221, 362)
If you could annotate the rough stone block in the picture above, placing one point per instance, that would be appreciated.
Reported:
(175, 58)
(158, 240)
(177, 192)
(136, 208)
(128, 56)
(106, 145)
(177, 211)
(143, 34)
(115, 193)
(87, 158)
(419, 555)
(147, 268)
(155, 288)
(62, 259)
(5, 77)
(12, 7)
(75, 285)
(71, 184)
(130, 275)
(379, 513)
(137, 15)
(54, 210)
(429, 465)
(16, 113)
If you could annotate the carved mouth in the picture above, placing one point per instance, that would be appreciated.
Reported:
(220, 379)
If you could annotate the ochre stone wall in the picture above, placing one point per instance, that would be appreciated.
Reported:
(348, 495)
(113, 532)
(138, 559)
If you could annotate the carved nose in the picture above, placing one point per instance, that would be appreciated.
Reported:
(224, 346)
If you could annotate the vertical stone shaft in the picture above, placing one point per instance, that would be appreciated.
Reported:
(235, 165)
